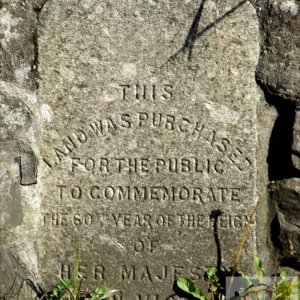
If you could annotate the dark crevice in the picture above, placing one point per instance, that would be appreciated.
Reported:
(275, 232)
(35, 61)
(280, 165)
(39, 7)
(292, 262)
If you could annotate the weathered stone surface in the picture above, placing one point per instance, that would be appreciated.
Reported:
(14, 116)
(18, 28)
(18, 139)
(279, 64)
(12, 270)
(286, 220)
(11, 212)
(147, 123)
(278, 75)
(148, 127)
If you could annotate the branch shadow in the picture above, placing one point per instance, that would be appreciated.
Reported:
(223, 273)
(193, 35)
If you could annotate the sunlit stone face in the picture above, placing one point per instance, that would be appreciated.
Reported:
(148, 115)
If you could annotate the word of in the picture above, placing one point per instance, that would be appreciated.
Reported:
(145, 245)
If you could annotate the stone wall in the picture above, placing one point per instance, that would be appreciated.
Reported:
(142, 134)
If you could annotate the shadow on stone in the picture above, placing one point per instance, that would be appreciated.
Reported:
(275, 229)
(190, 40)
(280, 145)
(285, 223)
(14, 273)
(223, 273)
(215, 214)
(194, 34)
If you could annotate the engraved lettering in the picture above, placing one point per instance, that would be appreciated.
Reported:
(224, 144)
(90, 165)
(124, 90)
(81, 136)
(94, 192)
(111, 125)
(109, 193)
(163, 275)
(196, 273)
(75, 163)
(183, 127)
(70, 144)
(47, 163)
(60, 191)
(147, 221)
(167, 92)
(145, 245)
(59, 153)
(170, 122)
(146, 275)
(157, 120)
(97, 127)
(99, 272)
(196, 194)
(128, 273)
(82, 271)
(177, 270)
(76, 192)
(65, 271)
(146, 92)
(143, 117)
(104, 165)
(236, 156)
(126, 121)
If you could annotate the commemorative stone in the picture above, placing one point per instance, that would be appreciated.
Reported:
(146, 142)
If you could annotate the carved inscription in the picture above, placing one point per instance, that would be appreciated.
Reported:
(147, 139)
(147, 92)
(187, 126)
(127, 165)
(139, 220)
(138, 273)
(102, 192)
(194, 194)
(141, 274)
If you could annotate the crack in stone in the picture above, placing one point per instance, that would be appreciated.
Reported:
(35, 62)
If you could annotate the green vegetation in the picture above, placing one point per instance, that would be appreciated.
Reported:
(71, 289)
(260, 287)
(220, 282)
(66, 289)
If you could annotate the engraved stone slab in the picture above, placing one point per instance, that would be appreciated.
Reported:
(148, 113)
